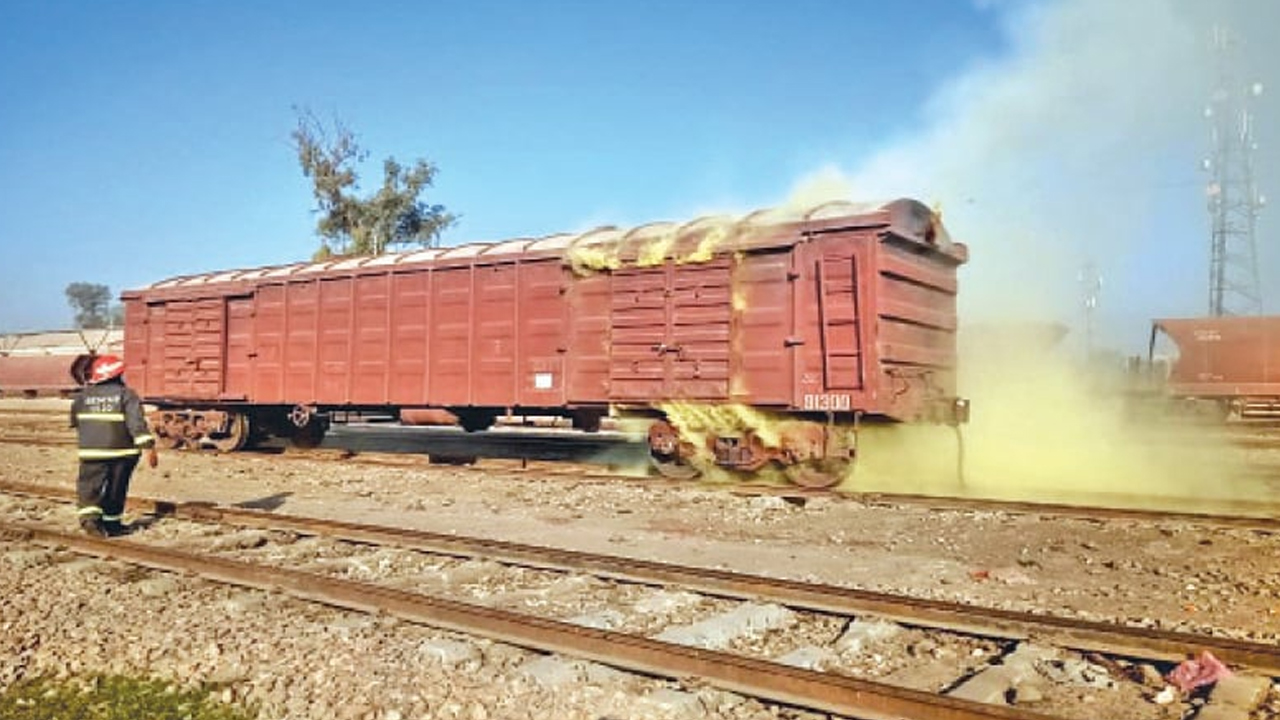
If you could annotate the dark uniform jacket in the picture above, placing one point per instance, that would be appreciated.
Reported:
(109, 419)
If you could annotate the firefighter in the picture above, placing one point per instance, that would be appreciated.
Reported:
(113, 435)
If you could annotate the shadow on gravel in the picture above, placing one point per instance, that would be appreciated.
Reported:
(270, 502)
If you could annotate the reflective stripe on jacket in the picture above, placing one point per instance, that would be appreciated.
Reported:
(109, 421)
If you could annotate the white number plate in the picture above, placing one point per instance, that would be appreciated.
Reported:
(827, 401)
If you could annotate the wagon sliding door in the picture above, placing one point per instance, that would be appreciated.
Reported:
(193, 348)
(238, 378)
(670, 332)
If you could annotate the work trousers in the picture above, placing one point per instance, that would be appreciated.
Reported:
(103, 484)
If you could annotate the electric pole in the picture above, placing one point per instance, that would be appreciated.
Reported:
(1091, 288)
(1234, 200)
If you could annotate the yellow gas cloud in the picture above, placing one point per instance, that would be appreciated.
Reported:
(1044, 428)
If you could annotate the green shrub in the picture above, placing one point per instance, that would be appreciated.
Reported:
(111, 698)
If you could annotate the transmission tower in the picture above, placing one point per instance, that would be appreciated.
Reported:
(1234, 200)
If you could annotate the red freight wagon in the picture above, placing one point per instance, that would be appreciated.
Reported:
(1231, 364)
(36, 375)
(41, 363)
(824, 317)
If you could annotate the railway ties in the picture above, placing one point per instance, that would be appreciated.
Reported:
(695, 637)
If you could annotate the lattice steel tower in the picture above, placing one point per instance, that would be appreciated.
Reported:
(1234, 200)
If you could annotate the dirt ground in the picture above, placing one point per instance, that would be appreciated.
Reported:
(1172, 574)
(1169, 574)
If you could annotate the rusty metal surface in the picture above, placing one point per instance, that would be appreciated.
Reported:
(752, 677)
(1077, 634)
(1224, 356)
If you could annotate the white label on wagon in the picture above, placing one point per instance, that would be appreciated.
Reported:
(827, 401)
(543, 381)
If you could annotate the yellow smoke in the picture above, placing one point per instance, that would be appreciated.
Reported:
(655, 252)
(706, 248)
(698, 422)
(1045, 429)
(822, 185)
(587, 259)
(596, 257)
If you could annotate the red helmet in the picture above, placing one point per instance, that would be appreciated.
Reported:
(104, 368)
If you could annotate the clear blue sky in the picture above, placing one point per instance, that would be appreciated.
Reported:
(142, 140)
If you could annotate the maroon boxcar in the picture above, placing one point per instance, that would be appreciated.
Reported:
(818, 319)
(1230, 366)
(39, 364)
(36, 375)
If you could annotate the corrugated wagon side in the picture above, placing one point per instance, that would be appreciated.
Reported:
(478, 329)
(819, 319)
(746, 341)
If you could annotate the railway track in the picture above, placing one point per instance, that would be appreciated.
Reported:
(756, 677)
(1075, 634)
(550, 462)
(752, 677)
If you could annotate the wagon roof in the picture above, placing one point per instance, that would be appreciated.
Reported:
(60, 342)
(907, 218)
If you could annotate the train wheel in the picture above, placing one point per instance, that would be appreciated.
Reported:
(452, 459)
(235, 437)
(587, 420)
(475, 421)
(309, 435)
(170, 442)
(669, 454)
(818, 473)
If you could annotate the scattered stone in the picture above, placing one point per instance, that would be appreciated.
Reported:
(1150, 676)
(1222, 712)
(450, 652)
(157, 585)
(241, 540)
(993, 684)
(244, 602)
(552, 671)
(26, 559)
(1026, 693)
(1242, 691)
(1074, 671)
(863, 633)
(722, 630)
(809, 658)
(84, 566)
(606, 619)
(663, 602)
(673, 703)
(469, 572)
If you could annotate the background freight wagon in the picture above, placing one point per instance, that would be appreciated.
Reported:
(1227, 367)
(39, 364)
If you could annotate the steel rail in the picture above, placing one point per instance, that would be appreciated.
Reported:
(553, 446)
(1082, 635)
(1247, 515)
(749, 676)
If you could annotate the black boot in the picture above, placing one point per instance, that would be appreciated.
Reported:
(94, 526)
(115, 528)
